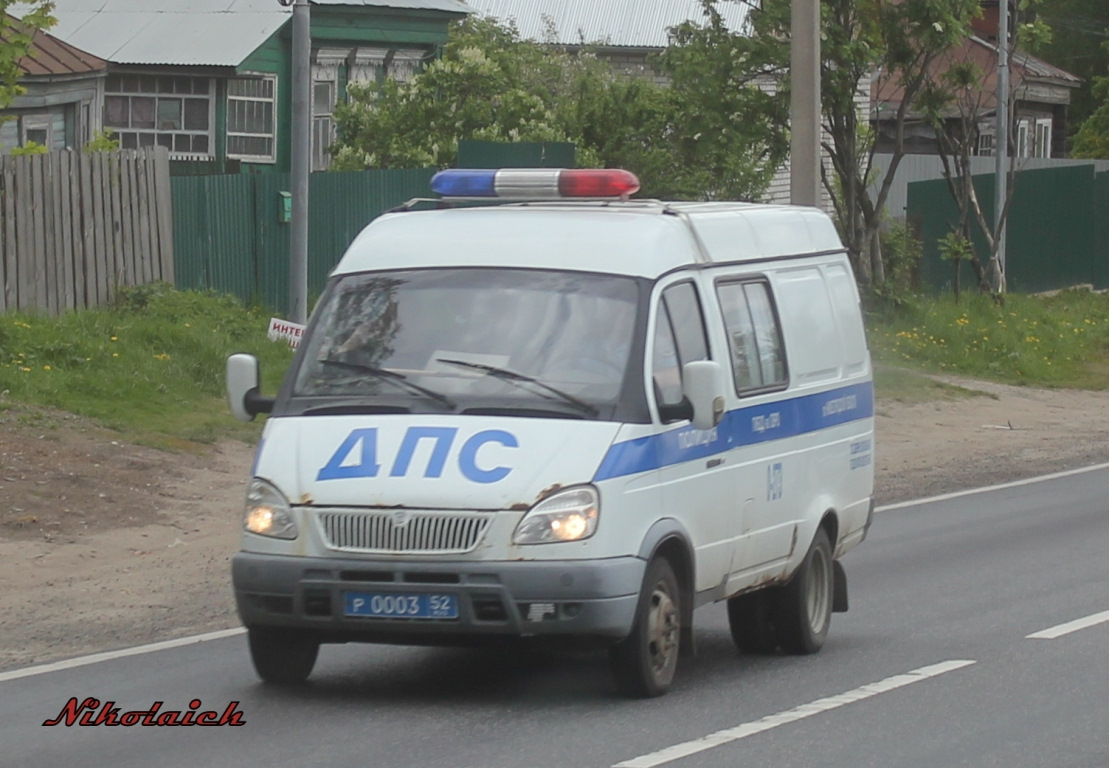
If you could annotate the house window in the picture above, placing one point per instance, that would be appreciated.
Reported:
(984, 147)
(38, 129)
(85, 127)
(251, 126)
(1043, 138)
(323, 125)
(1022, 139)
(159, 110)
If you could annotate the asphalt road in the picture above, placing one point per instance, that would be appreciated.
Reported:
(933, 666)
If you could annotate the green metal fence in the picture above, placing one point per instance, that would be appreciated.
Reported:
(230, 234)
(1058, 231)
(524, 154)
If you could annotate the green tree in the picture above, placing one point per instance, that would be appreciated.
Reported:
(714, 134)
(489, 84)
(15, 40)
(727, 131)
(1092, 139)
(896, 42)
(1079, 29)
(956, 104)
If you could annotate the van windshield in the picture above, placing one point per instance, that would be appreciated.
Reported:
(472, 340)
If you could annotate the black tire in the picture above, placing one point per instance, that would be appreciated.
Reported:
(751, 620)
(804, 608)
(645, 661)
(282, 656)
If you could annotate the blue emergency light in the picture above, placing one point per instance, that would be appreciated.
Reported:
(532, 183)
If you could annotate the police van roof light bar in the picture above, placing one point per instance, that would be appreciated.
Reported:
(536, 183)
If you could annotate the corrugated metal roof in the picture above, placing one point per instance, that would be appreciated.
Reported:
(617, 23)
(187, 32)
(451, 6)
(49, 56)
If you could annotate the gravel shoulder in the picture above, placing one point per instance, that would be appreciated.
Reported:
(106, 545)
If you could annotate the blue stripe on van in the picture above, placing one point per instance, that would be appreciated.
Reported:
(743, 426)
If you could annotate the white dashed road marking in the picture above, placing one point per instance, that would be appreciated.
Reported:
(42, 669)
(1071, 626)
(729, 735)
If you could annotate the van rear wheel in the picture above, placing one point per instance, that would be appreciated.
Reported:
(644, 662)
(282, 656)
(751, 620)
(804, 609)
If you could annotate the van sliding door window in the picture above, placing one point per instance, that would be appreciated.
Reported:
(679, 339)
(754, 338)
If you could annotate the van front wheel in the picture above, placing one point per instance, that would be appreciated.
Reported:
(805, 603)
(644, 662)
(282, 656)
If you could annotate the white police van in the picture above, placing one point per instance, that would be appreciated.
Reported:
(563, 419)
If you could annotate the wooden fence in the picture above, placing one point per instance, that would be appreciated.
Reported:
(75, 226)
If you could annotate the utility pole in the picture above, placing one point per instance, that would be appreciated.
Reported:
(804, 104)
(301, 161)
(1001, 143)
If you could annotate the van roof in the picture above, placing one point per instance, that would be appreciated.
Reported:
(644, 238)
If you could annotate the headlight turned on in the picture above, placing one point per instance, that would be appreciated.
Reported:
(267, 511)
(569, 515)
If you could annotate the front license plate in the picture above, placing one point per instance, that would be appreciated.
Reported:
(384, 605)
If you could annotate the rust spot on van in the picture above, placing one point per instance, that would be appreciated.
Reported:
(520, 506)
(549, 491)
(306, 499)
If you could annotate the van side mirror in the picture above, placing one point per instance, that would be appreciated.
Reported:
(703, 387)
(243, 383)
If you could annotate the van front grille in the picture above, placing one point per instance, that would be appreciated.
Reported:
(403, 531)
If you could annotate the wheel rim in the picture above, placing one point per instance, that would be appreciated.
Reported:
(663, 631)
(818, 590)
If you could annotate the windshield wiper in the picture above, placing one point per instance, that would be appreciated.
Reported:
(513, 376)
(392, 376)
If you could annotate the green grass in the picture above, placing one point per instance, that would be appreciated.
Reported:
(151, 366)
(1053, 341)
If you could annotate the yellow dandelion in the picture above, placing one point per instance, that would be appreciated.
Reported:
(46, 367)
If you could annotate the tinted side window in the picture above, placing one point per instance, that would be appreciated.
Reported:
(679, 339)
(754, 337)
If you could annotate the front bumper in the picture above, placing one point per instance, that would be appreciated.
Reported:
(595, 598)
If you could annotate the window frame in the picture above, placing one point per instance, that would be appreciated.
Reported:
(986, 141)
(140, 81)
(1041, 145)
(743, 281)
(271, 78)
(37, 121)
(323, 123)
(663, 314)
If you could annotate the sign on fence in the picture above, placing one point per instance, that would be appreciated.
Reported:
(283, 329)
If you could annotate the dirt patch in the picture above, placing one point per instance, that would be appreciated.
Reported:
(105, 544)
